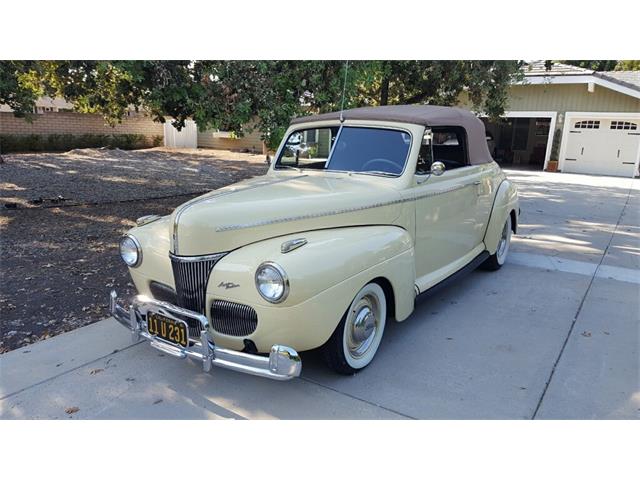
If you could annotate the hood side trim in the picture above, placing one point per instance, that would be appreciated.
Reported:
(186, 206)
(262, 223)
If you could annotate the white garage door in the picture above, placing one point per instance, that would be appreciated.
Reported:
(605, 146)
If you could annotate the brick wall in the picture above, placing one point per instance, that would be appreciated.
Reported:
(77, 124)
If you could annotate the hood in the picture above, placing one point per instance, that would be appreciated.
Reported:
(271, 206)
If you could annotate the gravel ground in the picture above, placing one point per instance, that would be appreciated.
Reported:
(61, 216)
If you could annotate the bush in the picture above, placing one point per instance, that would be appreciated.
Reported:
(64, 142)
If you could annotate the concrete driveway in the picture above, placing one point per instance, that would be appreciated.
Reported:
(553, 334)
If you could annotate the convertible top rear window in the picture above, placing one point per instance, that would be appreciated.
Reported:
(372, 150)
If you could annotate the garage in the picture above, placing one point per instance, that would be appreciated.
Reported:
(607, 144)
(521, 140)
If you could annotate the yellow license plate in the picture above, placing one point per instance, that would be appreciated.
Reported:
(168, 329)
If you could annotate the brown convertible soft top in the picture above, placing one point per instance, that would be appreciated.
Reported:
(427, 115)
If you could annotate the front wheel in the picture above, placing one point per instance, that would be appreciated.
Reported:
(357, 337)
(495, 261)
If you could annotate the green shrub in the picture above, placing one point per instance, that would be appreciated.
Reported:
(65, 142)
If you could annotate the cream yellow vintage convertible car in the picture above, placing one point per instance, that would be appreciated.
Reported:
(359, 214)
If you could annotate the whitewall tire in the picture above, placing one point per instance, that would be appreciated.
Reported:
(357, 337)
(495, 261)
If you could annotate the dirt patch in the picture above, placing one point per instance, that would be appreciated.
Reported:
(59, 259)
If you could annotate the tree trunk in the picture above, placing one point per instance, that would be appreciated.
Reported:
(384, 91)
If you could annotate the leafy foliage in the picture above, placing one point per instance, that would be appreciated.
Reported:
(597, 65)
(628, 65)
(240, 95)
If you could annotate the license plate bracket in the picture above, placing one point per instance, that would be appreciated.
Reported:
(168, 329)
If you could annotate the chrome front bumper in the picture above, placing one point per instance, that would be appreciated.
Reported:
(283, 363)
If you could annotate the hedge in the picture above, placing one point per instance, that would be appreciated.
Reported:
(63, 143)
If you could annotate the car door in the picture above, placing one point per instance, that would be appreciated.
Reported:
(450, 211)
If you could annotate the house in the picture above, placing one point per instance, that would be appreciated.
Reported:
(570, 118)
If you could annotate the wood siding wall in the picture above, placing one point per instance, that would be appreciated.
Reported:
(570, 98)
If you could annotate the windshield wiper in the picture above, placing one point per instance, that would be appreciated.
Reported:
(298, 169)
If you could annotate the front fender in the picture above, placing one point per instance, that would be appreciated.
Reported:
(505, 202)
(324, 276)
(329, 257)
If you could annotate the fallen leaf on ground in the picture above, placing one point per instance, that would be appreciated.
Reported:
(71, 410)
(96, 370)
(586, 334)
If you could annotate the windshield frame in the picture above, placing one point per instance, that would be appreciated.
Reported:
(279, 166)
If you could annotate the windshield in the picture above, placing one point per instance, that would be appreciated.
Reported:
(377, 151)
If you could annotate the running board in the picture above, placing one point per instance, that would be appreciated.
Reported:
(469, 267)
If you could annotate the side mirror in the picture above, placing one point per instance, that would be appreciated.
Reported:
(268, 160)
(437, 168)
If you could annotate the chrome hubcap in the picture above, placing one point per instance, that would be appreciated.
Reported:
(362, 327)
(502, 246)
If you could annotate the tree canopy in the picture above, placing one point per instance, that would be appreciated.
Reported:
(605, 65)
(229, 95)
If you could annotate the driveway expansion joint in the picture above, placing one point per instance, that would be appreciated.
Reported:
(314, 382)
(582, 301)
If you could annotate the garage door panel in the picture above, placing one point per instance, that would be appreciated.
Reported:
(603, 146)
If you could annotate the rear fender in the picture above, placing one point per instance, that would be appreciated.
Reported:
(505, 203)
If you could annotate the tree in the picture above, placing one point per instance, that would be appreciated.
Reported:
(439, 82)
(236, 95)
(597, 65)
(628, 65)
(21, 98)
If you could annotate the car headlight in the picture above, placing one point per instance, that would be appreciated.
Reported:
(130, 251)
(272, 282)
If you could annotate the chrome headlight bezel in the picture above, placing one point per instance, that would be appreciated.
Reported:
(284, 282)
(138, 250)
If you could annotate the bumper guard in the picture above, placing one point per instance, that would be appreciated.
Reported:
(283, 362)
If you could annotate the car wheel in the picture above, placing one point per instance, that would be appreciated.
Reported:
(357, 337)
(495, 261)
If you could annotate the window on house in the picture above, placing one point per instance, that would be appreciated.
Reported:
(616, 125)
(591, 124)
(542, 127)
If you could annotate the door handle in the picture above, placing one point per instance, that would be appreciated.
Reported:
(477, 182)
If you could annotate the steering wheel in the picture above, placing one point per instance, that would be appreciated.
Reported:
(380, 160)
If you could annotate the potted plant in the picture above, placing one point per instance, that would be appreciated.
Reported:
(552, 166)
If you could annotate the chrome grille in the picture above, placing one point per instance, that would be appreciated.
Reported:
(191, 275)
(233, 318)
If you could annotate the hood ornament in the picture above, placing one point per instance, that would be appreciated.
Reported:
(291, 245)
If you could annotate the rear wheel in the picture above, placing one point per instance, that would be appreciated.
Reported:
(495, 261)
(357, 337)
